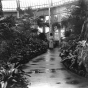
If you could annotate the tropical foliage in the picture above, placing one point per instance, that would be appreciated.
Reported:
(19, 43)
(78, 14)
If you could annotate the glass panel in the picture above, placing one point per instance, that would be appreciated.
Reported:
(11, 4)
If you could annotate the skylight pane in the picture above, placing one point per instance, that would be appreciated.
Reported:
(11, 4)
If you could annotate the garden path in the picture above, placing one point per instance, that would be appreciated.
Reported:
(47, 72)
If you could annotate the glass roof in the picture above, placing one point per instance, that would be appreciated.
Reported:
(12, 5)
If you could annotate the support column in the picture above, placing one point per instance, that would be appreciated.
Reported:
(51, 19)
(50, 27)
(59, 30)
(44, 25)
(18, 8)
(59, 34)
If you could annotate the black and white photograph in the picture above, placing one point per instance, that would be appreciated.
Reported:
(43, 44)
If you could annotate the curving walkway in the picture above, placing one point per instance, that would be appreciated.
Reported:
(47, 72)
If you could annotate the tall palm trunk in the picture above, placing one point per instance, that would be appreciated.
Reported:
(1, 12)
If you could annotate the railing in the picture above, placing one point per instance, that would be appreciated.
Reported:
(62, 2)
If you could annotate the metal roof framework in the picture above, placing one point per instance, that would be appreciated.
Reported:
(12, 5)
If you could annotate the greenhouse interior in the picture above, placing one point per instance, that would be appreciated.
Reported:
(43, 44)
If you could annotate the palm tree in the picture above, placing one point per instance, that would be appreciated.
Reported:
(1, 12)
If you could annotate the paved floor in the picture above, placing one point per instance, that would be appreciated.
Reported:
(47, 72)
